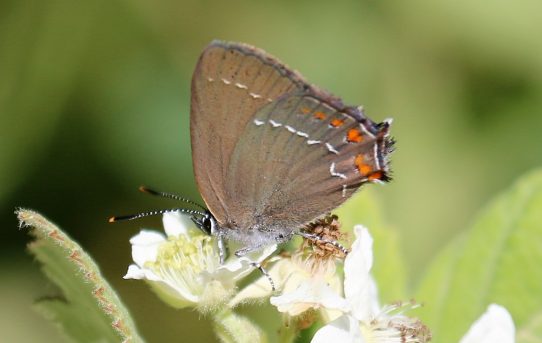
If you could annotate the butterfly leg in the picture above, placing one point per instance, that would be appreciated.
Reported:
(264, 272)
(222, 248)
(317, 238)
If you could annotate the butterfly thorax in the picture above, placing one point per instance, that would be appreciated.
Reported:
(255, 236)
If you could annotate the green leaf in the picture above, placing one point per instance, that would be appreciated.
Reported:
(88, 310)
(497, 261)
(389, 269)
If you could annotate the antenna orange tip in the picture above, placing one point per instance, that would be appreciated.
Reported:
(143, 189)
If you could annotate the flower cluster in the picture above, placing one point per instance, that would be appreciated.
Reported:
(350, 307)
(183, 268)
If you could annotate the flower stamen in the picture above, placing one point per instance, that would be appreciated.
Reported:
(390, 325)
(326, 229)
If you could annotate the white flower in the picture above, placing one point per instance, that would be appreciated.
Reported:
(292, 275)
(495, 326)
(184, 267)
(363, 320)
(309, 273)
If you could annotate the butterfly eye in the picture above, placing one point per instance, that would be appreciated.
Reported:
(205, 225)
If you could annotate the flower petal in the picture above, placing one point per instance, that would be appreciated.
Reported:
(176, 223)
(177, 297)
(358, 289)
(494, 326)
(344, 329)
(310, 294)
(242, 266)
(145, 246)
(137, 273)
(261, 288)
(134, 272)
(374, 304)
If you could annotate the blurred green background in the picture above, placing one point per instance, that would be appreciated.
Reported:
(94, 101)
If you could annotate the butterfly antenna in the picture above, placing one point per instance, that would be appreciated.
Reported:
(154, 213)
(150, 191)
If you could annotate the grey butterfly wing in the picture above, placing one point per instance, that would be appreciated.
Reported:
(230, 83)
(300, 157)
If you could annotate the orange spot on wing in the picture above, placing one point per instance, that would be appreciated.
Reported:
(305, 110)
(359, 159)
(320, 115)
(377, 175)
(354, 136)
(363, 168)
(336, 122)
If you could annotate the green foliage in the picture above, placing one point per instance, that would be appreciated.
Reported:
(88, 309)
(38, 71)
(97, 93)
(389, 270)
(531, 331)
(497, 261)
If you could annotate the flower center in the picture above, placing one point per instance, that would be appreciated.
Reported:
(186, 262)
(390, 327)
(328, 229)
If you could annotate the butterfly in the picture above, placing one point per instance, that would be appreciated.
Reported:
(270, 151)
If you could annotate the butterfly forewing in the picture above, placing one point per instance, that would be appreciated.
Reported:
(231, 82)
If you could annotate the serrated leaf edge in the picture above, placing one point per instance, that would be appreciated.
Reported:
(42, 229)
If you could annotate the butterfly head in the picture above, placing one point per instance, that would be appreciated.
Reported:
(206, 223)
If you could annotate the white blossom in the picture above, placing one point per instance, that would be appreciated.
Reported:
(306, 280)
(494, 326)
(363, 320)
(184, 267)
